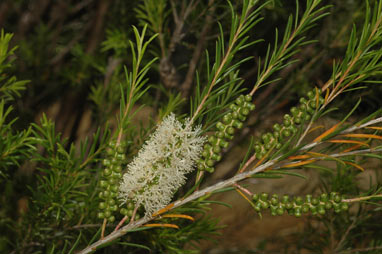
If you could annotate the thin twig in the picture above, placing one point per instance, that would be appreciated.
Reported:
(208, 190)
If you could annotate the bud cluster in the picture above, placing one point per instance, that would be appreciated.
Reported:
(297, 205)
(109, 182)
(239, 110)
(299, 115)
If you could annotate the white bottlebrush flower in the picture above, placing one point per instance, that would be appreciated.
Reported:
(161, 164)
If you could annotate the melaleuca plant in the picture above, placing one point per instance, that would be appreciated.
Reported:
(167, 112)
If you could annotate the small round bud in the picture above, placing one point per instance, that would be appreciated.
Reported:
(264, 196)
(315, 201)
(227, 118)
(239, 100)
(255, 197)
(103, 183)
(102, 205)
(106, 162)
(101, 215)
(111, 219)
(220, 126)
(280, 211)
(107, 213)
(324, 197)
(344, 206)
(123, 211)
(305, 208)
(248, 98)
(230, 130)
(298, 200)
(264, 204)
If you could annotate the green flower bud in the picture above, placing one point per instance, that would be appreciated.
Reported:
(107, 171)
(264, 196)
(248, 98)
(298, 200)
(227, 118)
(216, 157)
(240, 100)
(285, 199)
(233, 107)
(220, 126)
(123, 211)
(264, 204)
(237, 124)
(315, 201)
(107, 213)
(280, 211)
(106, 162)
(255, 197)
(111, 219)
(324, 197)
(101, 215)
(102, 205)
(305, 208)
(103, 183)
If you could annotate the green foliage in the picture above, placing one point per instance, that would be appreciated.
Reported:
(61, 176)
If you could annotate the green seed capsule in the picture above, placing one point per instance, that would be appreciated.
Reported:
(257, 207)
(220, 134)
(308, 198)
(123, 211)
(107, 172)
(286, 133)
(223, 143)
(102, 205)
(297, 212)
(237, 125)
(255, 197)
(305, 208)
(220, 126)
(106, 162)
(120, 149)
(264, 196)
(240, 100)
(298, 200)
(101, 215)
(210, 163)
(212, 140)
(311, 95)
(280, 211)
(216, 157)
(117, 168)
(315, 201)
(111, 219)
(209, 169)
(328, 205)
(230, 130)
(277, 127)
(227, 118)
(233, 107)
(113, 208)
(248, 98)
(288, 205)
(244, 111)
(107, 213)
(285, 199)
(103, 184)
(344, 206)
(324, 197)
(264, 204)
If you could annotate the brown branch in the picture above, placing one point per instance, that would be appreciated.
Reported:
(186, 85)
